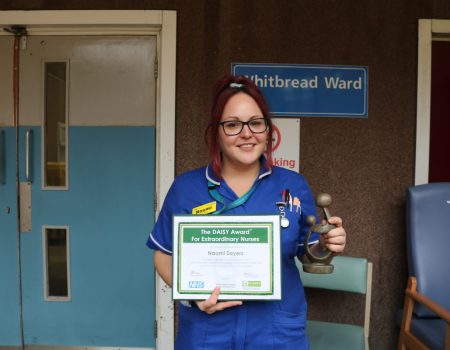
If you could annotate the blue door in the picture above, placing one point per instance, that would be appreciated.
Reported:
(74, 270)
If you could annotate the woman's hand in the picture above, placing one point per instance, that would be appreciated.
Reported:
(334, 240)
(211, 305)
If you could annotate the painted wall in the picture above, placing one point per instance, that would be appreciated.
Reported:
(365, 164)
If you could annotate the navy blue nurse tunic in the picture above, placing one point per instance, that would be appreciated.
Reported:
(255, 325)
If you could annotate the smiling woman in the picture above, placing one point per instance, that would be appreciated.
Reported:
(242, 182)
(225, 110)
(242, 148)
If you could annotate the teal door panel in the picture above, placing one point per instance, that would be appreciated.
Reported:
(9, 261)
(108, 210)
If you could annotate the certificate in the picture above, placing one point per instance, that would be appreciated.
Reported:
(241, 254)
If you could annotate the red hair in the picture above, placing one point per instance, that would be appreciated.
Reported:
(222, 94)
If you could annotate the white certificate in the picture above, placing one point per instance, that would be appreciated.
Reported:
(239, 253)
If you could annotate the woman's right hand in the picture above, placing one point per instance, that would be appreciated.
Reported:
(211, 305)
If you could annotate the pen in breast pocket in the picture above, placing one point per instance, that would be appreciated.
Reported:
(286, 195)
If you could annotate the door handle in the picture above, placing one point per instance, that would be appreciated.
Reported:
(28, 150)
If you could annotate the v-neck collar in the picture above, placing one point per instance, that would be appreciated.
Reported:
(263, 172)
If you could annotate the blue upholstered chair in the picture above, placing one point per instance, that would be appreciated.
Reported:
(426, 316)
(350, 275)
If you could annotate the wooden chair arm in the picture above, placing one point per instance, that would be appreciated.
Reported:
(432, 305)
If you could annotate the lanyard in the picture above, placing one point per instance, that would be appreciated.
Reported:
(218, 197)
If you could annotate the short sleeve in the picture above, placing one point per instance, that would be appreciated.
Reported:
(161, 236)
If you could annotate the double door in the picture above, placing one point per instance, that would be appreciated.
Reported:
(77, 182)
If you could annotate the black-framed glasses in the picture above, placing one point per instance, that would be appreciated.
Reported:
(234, 127)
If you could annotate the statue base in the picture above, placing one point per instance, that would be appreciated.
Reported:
(318, 268)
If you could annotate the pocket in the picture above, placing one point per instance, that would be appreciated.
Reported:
(192, 330)
(289, 330)
(198, 330)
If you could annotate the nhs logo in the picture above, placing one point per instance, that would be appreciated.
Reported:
(196, 284)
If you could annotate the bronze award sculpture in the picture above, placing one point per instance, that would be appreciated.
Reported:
(322, 263)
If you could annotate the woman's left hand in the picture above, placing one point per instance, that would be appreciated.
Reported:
(212, 305)
(334, 240)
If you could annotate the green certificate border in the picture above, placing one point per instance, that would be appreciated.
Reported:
(270, 226)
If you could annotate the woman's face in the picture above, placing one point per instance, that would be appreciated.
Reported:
(245, 148)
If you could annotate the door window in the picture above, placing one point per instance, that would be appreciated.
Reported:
(56, 255)
(55, 124)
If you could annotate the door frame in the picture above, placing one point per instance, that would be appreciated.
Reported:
(429, 30)
(130, 22)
